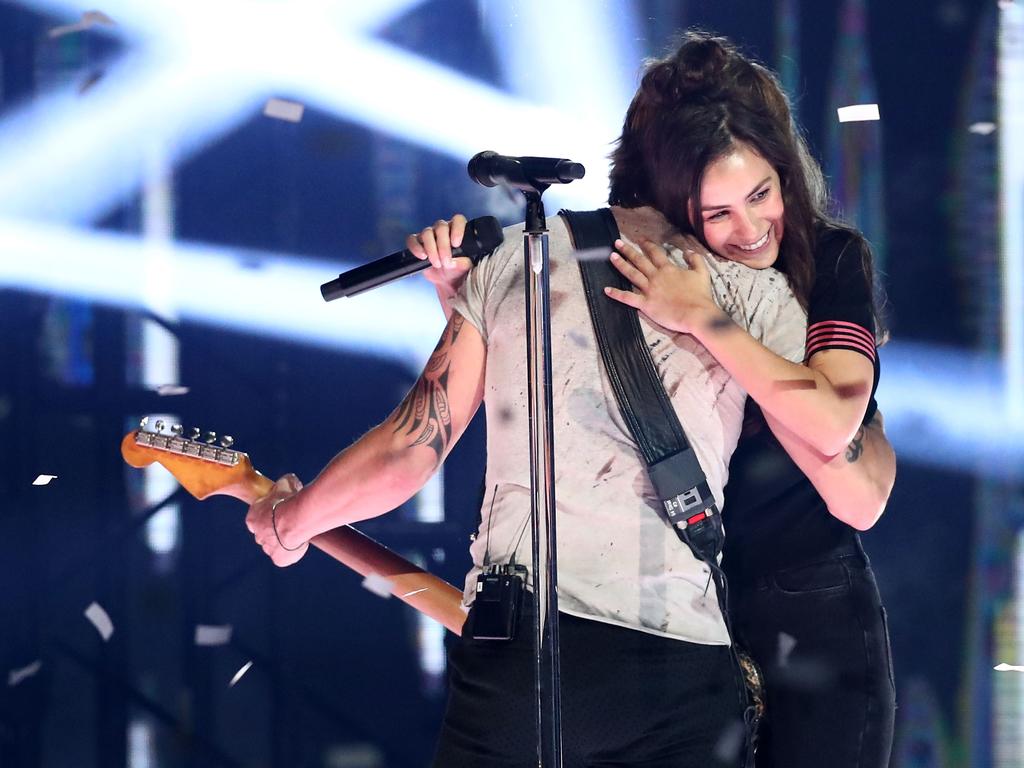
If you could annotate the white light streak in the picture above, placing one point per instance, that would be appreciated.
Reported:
(245, 290)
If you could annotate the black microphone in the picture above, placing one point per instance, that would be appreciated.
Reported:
(490, 169)
(482, 236)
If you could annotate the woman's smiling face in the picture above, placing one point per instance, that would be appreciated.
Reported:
(742, 208)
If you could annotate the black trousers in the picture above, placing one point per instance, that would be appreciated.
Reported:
(820, 636)
(629, 698)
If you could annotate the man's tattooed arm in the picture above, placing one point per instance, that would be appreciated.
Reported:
(425, 416)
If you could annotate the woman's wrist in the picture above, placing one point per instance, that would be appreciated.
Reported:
(703, 319)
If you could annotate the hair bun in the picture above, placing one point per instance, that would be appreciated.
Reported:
(699, 70)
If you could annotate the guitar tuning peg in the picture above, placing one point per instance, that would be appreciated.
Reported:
(144, 422)
(159, 425)
(211, 438)
(177, 429)
(227, 441)
(195, 433)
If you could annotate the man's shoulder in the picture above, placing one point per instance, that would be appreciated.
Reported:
(735, 278)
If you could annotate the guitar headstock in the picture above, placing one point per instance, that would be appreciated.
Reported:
(204, 465)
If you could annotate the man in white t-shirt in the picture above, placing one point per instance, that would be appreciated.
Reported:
(646, 673)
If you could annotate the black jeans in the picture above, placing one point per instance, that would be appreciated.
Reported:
(819, 633)
(629, 698)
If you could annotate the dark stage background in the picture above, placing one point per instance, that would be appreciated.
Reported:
(157, 228)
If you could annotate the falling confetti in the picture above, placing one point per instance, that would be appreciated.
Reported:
(100, 620)
(378, 585)
(1007, 668)
(857, 113)
(18, 675)
(592, 254)
(89, 20)
(786, 645)
(982, 129)
(730, 743)
(207, 634)
(97, 17)
(281, 109)
(239, 673)
(91, 79)
(44, 479)
(171, 390)
(415, 592)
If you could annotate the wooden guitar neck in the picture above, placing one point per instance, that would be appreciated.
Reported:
(206, 470)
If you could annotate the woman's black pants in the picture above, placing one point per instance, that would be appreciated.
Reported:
(820, 636)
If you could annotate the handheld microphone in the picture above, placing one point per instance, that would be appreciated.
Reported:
(482, 236)
(490, 169)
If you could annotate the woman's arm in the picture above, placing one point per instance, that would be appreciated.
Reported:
(822, 403)
(854, 483)
(389, 464)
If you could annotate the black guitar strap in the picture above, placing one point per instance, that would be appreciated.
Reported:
(675, 472)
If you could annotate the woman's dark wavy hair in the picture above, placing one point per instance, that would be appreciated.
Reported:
(692, 108)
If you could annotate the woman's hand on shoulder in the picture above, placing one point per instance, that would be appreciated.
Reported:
(435, 243)
(676, 298)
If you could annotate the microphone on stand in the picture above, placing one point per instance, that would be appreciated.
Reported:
(490, 169)
(482, 236)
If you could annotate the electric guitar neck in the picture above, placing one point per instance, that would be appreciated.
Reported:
(206, 468)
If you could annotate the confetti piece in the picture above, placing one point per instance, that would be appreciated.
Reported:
(378, 585)
(44, 479)
(786, 645)
(1007, 668)
(592, 254)
(91, 79)
(100, 620)
(239, 673)
(982, 129)
(730, 743)
(415, 592)
(857, 113)
(97, 17)
(210, 634)
(18, 675)
(281, 109)
(171, 390)
(89, 19)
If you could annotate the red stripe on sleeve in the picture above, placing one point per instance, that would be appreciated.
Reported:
(839, 334)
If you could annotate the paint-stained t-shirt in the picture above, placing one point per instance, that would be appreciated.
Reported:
(618, 562)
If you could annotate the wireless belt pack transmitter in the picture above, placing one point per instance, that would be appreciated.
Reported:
(498, 603)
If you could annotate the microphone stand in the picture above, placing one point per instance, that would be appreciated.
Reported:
(532, 176)
(542, 480)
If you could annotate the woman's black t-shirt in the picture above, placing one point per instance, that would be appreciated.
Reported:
(774, 518)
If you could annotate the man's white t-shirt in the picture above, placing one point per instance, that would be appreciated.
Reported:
(618, 562)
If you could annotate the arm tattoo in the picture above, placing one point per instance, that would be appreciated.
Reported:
(425, 415)
(856, 448)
